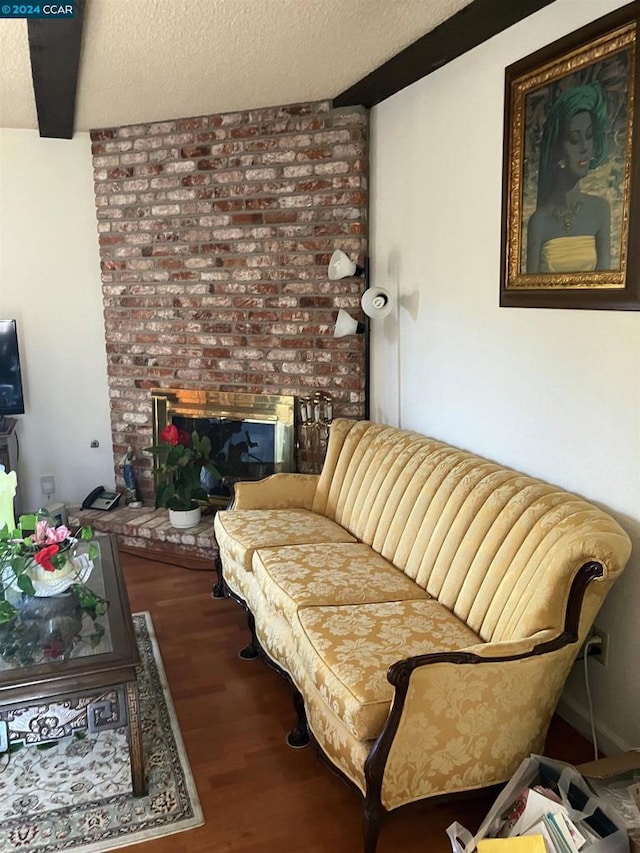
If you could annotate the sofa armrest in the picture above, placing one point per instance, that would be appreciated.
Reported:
(279, 491)
(465, 719)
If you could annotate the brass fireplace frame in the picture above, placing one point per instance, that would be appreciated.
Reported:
(257, 408)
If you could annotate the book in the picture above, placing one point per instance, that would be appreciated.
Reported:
(570, 831)
(522, 844)
(541, 828)
(560, 842)
(559, 832)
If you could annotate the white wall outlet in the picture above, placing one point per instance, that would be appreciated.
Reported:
(600, 651)
(47, 484)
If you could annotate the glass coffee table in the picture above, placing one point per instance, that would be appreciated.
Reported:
(66, 670)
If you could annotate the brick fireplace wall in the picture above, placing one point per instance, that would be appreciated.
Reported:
(215, 234)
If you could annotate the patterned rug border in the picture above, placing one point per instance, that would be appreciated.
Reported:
(149, 647)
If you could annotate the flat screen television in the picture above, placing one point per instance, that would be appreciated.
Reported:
(11, 396)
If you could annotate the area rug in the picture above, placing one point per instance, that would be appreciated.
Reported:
(76, 796)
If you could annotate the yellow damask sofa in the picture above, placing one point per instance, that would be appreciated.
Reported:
(425, 603)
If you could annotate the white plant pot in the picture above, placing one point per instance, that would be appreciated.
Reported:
(183, 519)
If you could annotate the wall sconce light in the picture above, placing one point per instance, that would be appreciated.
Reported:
(376, 304)
(376, 301)
(347, 325)
(341, 266)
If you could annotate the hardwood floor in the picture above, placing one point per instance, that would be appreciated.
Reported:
(257, 794)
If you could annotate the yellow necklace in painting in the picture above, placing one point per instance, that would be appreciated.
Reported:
(566, 215)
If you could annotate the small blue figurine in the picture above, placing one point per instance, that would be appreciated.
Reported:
(133, 496)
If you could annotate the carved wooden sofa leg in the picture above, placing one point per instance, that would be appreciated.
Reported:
(374, 767)
(299, 737)
(218, 587)
(371, 822)
(250, 651)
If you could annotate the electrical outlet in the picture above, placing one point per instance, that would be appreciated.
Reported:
(599, 652)
(48, 484)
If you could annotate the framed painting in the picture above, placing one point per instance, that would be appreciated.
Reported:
(571, 194)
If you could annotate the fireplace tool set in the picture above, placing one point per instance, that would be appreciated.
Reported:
(315, 416)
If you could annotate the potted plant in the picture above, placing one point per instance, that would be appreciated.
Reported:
(38, 559)
(180, 460)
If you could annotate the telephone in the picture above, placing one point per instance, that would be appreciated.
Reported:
(101, 499)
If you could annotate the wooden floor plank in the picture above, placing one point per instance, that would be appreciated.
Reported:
(257, 794)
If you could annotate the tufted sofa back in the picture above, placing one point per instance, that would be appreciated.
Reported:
(496, 547)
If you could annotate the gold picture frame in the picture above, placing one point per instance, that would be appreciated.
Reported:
(570, 171)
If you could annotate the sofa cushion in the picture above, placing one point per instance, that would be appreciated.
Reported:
(302, 575)
(239, 533)
(347, 649)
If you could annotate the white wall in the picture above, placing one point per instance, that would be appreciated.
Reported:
(554, 393)
(50, 284)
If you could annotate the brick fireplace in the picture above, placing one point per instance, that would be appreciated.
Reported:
(215, 233)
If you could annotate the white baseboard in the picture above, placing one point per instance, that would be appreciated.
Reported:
(578, 717)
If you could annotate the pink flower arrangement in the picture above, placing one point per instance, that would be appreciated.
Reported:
(47, 535)
(48, 546)
(49, 541)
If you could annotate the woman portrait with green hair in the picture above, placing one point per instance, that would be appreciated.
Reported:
(570, 230)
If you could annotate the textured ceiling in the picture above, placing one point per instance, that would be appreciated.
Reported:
(149, 60)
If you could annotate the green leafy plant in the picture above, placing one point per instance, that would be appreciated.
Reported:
(37, 541)
(179, 463)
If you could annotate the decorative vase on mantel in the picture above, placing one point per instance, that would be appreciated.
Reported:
(184, 519)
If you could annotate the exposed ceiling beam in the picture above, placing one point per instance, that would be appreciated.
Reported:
(468, 28)
(54, 46)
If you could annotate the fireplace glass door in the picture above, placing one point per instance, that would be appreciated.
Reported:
(252, 436)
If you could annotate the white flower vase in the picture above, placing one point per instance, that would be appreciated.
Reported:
(75, 570)
(184, 519)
